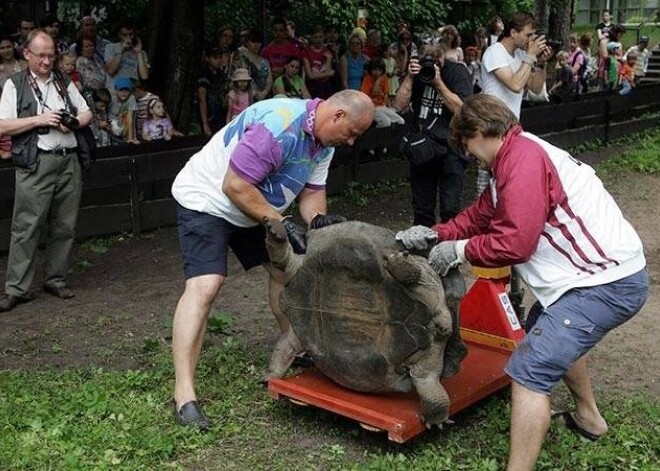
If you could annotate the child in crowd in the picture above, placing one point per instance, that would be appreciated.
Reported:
(627, 74)
(643, 53)
(391, 70)
(142, 97)
(376, 84)
(474, 67)
(66, 64)
(122, 112)
(101, 127)
(561, 87)
(240, 96)
(317, 63)
(291, 84)
(612, 65)
(158, 126)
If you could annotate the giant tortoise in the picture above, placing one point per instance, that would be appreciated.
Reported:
(373, 317)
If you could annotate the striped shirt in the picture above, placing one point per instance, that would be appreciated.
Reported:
(549, 215)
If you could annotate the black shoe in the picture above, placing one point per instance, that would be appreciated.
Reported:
(191, 414)
(9, 301)
(571, 424)
(61, 292)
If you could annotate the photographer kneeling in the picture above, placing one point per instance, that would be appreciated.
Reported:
(435, 90)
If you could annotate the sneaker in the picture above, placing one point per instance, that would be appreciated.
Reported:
(61, 292)
(191, 414)
(9, 301)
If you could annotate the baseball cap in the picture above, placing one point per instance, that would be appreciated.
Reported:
(123, 83)
(644, 39)
(614, 45)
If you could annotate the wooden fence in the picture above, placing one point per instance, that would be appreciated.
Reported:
(128, 189)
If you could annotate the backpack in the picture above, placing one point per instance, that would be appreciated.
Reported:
(583, 74)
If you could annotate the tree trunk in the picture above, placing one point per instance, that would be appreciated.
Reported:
(176, 36)
(542, 13)
(560, 26)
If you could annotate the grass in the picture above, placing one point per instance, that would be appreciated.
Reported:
(65, 419)
(643, 154)
(100, 419)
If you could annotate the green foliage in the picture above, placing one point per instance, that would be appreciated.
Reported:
(110, 13)
(642, 154)
(101, 245)
(100, 419)
(360, 193)
(219, 322)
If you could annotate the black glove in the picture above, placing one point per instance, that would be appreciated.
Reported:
(296, 235)
(322, 220)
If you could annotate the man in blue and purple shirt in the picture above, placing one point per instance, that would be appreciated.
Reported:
(274, 153)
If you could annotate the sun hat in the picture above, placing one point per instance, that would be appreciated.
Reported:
(240, 74)
(611, 47)
(123, 83)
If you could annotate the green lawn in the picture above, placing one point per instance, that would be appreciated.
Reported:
(69, 420)
(64, 419)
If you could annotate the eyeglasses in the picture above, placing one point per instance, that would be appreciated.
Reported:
(41, 56)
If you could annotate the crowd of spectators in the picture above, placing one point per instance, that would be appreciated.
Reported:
(240, 68)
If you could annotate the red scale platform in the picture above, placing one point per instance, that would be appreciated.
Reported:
(491, 334)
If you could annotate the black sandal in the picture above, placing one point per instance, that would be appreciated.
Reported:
(191, 414)
(571, 424)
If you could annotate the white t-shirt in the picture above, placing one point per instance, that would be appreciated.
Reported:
(496, 57)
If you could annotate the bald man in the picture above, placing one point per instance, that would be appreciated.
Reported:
(274, 153)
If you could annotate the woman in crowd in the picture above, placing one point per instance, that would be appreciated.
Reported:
(290, 83)
(9, 65)
(248, 57)
(451, 44)
(89, 65)
(352, 64)
(9, 60)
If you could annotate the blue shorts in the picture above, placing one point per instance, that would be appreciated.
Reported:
(204, 240)
(562, 333)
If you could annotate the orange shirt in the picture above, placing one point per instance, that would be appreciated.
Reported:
(378, 90)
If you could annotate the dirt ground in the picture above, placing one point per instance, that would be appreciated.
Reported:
(125, 298)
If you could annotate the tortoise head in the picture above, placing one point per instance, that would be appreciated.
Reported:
(275, 229)
(403, 268)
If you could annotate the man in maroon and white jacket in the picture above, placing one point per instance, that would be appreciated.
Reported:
(549, 216)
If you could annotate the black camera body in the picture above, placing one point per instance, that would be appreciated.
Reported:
(427, 71)
(68, 120)
(554, 44)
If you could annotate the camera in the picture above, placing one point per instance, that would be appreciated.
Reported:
(427, 70)
(554, 44)
(68, 120)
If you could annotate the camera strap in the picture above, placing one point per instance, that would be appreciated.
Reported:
(40, 96)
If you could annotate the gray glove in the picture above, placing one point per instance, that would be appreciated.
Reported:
(417, 237)
(445, 256)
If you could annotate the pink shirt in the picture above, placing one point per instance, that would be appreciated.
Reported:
(239, 101)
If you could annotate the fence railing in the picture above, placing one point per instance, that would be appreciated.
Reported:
(128, 189)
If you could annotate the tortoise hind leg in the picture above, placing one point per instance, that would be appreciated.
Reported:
(284, 353)
(454, 286)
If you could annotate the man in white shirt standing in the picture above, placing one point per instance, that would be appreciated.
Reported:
(516, 62)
